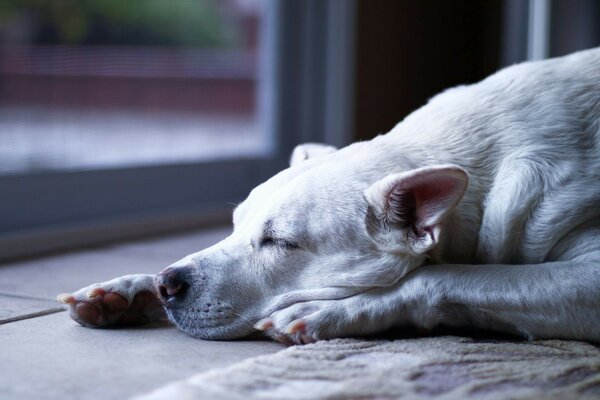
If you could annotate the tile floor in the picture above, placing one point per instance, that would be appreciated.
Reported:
(43, 354)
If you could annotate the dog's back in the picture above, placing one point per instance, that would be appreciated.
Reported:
(529, 136)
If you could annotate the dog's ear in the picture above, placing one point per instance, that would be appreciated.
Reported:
(305, 151)
(417, 202)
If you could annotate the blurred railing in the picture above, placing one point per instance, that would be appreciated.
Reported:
(215, 80)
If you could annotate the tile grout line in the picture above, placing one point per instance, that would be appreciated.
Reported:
(32, 315)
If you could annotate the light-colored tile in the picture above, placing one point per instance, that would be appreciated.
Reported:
(51, 357)
(54, 358)
(172, 248)
(49, 276)
(17, 307)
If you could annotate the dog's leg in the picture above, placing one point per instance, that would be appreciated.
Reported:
(124, 301)
(552, 300)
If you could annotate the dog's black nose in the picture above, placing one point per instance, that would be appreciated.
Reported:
(171, 283)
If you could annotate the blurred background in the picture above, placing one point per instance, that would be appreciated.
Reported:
(120, 119)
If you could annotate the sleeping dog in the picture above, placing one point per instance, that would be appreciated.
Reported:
(479, 210)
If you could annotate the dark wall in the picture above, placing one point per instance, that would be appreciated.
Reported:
(409, 50)
(575, 25)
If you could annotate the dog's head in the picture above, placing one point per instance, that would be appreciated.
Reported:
(325, 228)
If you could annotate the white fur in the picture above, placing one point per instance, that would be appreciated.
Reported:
(520, 251)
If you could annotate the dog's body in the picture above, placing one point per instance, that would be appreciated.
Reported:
(481, 209)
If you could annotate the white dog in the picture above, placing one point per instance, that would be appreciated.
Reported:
(479, 210)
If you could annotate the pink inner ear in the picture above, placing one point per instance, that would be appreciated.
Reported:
(425, 197)
(435, 196)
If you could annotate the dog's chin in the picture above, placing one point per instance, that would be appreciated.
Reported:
(227, 330)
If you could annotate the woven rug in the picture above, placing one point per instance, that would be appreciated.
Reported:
(446, 367)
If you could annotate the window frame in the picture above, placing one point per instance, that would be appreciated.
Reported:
(538, 29)
(306, 96)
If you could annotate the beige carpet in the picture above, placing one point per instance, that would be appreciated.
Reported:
(445, 367)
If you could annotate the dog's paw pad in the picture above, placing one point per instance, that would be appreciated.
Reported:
(98, 308)
(145, 307)
(88, 314)
(114, 303)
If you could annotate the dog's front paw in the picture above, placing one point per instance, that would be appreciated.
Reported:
(306, 322)
(363, 314)
(125, 301)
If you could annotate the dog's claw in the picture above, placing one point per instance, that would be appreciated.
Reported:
(263, 324)
(65, 298)
(296, 326)
(95, 292)
(283, 339)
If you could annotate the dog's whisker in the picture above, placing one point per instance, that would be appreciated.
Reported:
(242, 317)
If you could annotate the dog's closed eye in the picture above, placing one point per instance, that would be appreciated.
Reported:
(271, 241)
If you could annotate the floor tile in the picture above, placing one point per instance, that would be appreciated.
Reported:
(173, 248)
(14, 308)
(47, 277)
(51, 357)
